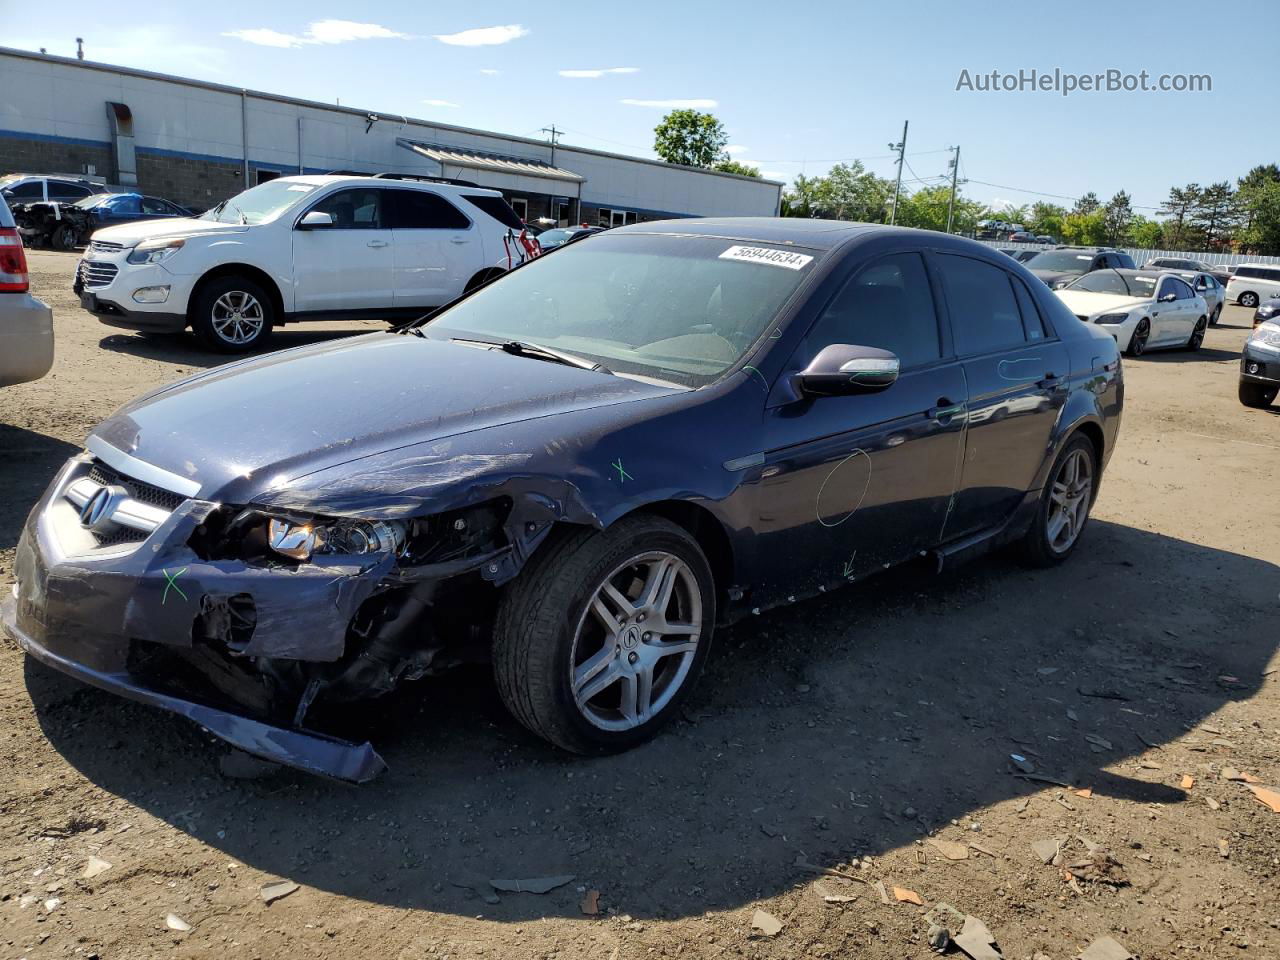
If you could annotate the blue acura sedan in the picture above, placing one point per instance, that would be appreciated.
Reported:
(578, 472)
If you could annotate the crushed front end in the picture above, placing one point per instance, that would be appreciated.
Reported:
(249, 620)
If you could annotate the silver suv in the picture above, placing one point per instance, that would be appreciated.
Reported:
(26, 324)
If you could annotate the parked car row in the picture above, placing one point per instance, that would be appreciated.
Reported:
(1141, 308)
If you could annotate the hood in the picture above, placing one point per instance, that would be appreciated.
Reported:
(130, 234)
(254, 426)
(1086, 304)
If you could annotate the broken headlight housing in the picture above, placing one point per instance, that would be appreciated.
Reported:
(300, 540)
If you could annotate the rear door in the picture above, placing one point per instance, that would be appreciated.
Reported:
(348, 265)
(156, 209)
(437, 247)
(1016, 371)
(1170, 319)
(853, 483)
(126, 208)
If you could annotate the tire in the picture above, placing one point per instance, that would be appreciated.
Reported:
(1138, 340)
(63, 238)
(1043, 545)
(547, 628)
(1216, 316)
(224, 320)
(1196, 340)
(1257, 395)
(481, 278)
(1247, 300)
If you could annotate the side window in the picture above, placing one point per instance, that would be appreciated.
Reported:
(1183, 290)
(1032, 321)
(27, 191)
(124, 205)
(422, 210)
(153, 206)
(1166, 288)
(1099, 263)
(1271, 275)
(984, 313)
(357, 209)
(887, 304)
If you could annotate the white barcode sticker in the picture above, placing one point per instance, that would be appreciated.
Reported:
(775, 258)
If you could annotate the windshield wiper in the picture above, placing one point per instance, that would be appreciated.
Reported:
(520, 348)
(244, 221)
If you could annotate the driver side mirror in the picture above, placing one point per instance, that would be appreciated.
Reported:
(841, 369)
(315, 219)
(1169, 298)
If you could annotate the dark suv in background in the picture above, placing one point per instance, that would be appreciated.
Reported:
(1059, 267)
(33, 188)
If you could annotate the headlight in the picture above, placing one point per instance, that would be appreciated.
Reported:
(155, 251)
(300, 540)
(1266, 310)
(1112, 318)
(1265, 336)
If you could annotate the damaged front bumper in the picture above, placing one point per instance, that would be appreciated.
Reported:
(129, 610)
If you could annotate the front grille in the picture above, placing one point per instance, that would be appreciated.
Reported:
(104, 476)
(118, 536)
(105, 246)
(94, 273)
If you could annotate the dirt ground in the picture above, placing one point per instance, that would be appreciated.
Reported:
(849, 732)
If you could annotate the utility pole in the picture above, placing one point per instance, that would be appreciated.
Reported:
(555, 138)
(79, 48)
(955, 172)
(901, 147)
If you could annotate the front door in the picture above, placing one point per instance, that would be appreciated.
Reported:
(1017, 376)
(854, 483)
(347, 265)
(437, 248)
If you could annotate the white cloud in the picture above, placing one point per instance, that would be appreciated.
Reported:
(483, 36)
(440, 103)
(734, 149)
(774, 175)
(672, 104)
(491, 73)
(593, 74)
(160, 48)
(321, 31)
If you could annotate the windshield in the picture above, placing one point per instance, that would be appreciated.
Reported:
(1110, 281)
(1063, 261)
(681, 310)
(259, 204)
(84, 203)
(550, 238)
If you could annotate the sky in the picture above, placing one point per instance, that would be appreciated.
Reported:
(798, 87)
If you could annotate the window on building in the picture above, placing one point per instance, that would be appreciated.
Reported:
(521, 206)
(265, 175)
(421, 210)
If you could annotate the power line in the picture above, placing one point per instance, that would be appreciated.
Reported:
(1056, 196)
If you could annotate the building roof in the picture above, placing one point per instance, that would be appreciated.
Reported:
(492, 162)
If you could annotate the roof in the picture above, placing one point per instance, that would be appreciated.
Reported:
(812, 233)
(491, 162)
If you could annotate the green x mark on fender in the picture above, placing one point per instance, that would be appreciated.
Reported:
(623, 476)
(171, 581)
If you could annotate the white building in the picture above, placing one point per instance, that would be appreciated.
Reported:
(197, 143)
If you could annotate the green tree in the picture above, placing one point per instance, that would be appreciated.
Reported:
(802, 199)
(1085, 229)
(1182, 200)
(849, 192)
(1087, 204)
(1046, 218)
(1115, 218)
(741, 169)
(690, 138)
(1015, 214)
(1144, 232)
(1215, 213)
(1261, 232)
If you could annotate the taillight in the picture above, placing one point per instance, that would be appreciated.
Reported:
(13, 262)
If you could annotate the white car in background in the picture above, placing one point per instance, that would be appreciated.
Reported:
(1251, 283)
(1141, 308)
(302, 248)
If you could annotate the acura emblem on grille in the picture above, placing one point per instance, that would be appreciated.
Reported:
(98, 509)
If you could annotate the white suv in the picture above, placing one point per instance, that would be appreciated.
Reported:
(301, 248)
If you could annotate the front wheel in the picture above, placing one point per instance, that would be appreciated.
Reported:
(1138, 341)
(1257, 395)
(1196, 340)
(602, 636)
(1217, 315)
(1248, 300)
(1064, 505)
(232, 315)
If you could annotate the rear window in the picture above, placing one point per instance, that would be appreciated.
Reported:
(422, 210)
(497, 208)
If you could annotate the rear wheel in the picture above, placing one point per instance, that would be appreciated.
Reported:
(1248, 300)
(1138, 342)
(1216, 315)
(232, 314)
(1064, 505)
(1196, 340)
(1257, 395)
(603, 635)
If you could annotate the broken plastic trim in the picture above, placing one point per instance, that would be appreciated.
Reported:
(310, 752)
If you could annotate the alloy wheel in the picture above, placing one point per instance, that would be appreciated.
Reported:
(635, 641)
(238, 317)
(1197, 335)
(1138, 342)
(1069, 500)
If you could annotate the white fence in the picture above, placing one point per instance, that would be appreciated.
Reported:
(1141, 256)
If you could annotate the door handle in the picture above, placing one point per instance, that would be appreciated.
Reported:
(944, 411)
(377, 243)
(1050, 381)
(459, 240)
